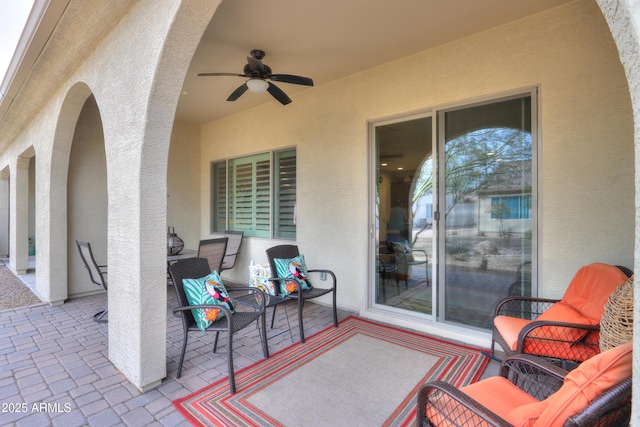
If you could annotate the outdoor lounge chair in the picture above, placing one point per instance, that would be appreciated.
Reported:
(213, 250)
(97, 273)
(565, 330)
(233, 247)
(530, 391)
(287, 253)
(233, 320)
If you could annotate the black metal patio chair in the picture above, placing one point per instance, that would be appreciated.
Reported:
(288, 252)
(232, 322)
(97, 273)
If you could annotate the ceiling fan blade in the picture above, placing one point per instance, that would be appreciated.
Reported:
(278, 94)
(288, 78)
(238, 92)
(255, 64)
(222, 74)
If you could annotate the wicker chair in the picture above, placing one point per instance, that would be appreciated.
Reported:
(567, 330)
(231, 323)
(531, 391)
(291, 251)
(97, 273)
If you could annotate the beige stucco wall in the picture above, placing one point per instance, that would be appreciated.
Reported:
(183, 183)
(586, 134)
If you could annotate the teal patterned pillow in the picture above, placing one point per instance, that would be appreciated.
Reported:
(292, 268)
(208, 290)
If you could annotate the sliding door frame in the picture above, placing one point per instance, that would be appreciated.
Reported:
(436, 113)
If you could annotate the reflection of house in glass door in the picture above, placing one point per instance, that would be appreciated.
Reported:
(481, 248)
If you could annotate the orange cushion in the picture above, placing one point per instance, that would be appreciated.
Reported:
(527, 415)
(590, 288)
(498, 395)
(561, 312)
(585, 383)
(509, 328)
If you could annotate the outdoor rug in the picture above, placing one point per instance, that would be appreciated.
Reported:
(359, 374)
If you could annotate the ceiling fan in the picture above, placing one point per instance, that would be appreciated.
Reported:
(258, 74)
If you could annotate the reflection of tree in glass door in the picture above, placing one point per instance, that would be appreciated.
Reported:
(486, 208)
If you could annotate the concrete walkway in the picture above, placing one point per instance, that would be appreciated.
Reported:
(54, 366)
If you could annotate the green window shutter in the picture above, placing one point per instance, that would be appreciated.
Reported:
(249, 195)
(219, 196)
(285, 194)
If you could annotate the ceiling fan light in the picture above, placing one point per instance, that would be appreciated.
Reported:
(257, 85)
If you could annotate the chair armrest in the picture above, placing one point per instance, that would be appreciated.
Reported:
(297, 282)
(439, 403)
(612, 408)
(541, 333)
(523, 307)
(421, 250)
(329, 272)
(534, 375)
(260, 298)
(222, 308)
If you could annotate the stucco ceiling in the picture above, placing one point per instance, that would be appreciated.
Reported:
(326, 40)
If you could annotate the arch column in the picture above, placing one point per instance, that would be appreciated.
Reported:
(19, 216)
(623, 18)
(4, 213)
(137, 128)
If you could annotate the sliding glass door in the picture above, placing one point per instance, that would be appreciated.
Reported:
(455, 217)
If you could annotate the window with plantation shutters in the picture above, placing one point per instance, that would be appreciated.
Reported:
(242, 195)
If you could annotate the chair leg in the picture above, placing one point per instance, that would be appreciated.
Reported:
(232, 377)
(300, 325)
(335, 310)
(491, 355)
(263, 334)
(215, 341)
(98, 317)
(184, 348)
(273, 316)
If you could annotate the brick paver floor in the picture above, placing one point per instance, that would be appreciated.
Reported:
(55, 370)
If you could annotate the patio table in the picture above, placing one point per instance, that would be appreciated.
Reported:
(184, 254)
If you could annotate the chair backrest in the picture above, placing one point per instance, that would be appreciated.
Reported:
(233, 247)
(283, 252)
(584, 384)
(190, 268)
(95, 274)
(591, 287)
(213, 250)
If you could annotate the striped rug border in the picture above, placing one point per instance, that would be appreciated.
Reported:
(213, 405)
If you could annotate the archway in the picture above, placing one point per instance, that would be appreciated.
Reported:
(87, 200)
(54, 241)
